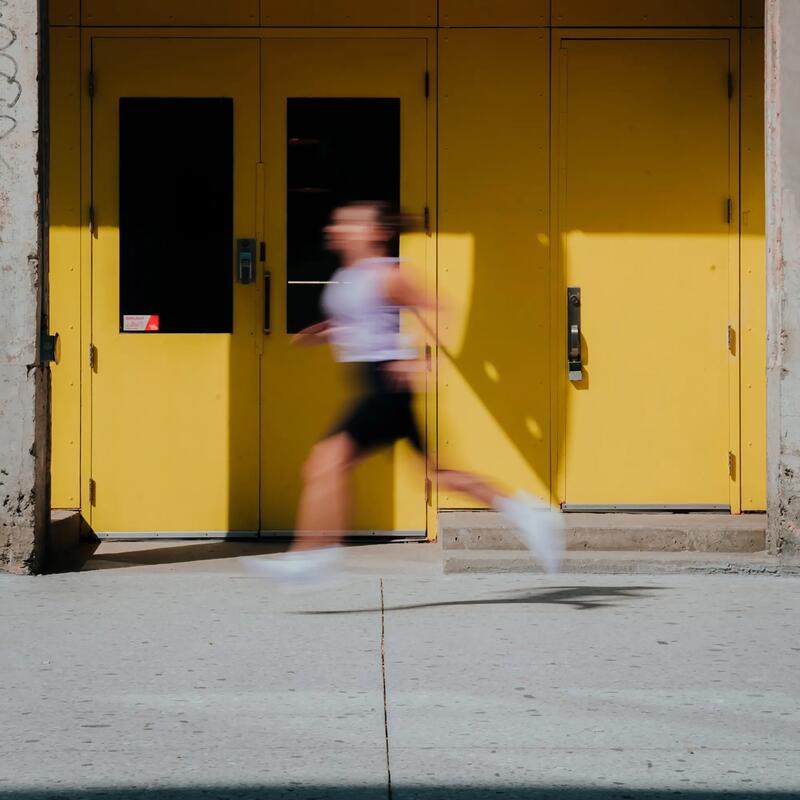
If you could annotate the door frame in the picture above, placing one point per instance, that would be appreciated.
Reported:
(87, 36)
(558, 322)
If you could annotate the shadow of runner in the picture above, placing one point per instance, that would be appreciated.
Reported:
(583, 598)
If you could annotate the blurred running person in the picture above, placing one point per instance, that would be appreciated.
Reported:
(362, 305)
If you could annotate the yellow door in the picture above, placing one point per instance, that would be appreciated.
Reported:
(345, 119)
(175, 144)
(645, 189)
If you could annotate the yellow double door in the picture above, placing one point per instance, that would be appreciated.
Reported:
(215, 163)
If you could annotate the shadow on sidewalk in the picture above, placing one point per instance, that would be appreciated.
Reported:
(92, 555)
(584, 598)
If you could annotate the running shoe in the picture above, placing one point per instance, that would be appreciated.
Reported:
(538, 527)
(297, 568)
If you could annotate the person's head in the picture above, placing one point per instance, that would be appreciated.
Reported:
(364, 229)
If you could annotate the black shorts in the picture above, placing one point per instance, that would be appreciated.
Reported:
(382, 414)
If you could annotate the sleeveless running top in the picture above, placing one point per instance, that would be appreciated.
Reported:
(364, 328)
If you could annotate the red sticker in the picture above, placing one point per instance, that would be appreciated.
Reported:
(140, 322)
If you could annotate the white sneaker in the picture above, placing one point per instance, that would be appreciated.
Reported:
(538, 525)
(298, 568)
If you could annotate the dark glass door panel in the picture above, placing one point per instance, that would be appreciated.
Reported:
(339, 150)
(176, 214)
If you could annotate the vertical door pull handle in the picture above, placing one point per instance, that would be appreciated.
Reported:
(574, 345)
(267, 299)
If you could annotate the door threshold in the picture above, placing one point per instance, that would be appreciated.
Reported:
(144, 536)
(350, 535)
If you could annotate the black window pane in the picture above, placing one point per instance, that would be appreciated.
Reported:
(176, 214)
(339, 150)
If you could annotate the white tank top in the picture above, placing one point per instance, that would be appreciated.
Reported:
(363, 326)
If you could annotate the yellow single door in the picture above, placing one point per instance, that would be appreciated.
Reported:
(345, 119)
(175, 147)
(645, 186)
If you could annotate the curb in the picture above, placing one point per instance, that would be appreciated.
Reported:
(621, 563)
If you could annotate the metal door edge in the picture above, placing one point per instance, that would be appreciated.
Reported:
(604, 508)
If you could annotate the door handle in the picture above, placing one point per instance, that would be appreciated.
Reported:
(574, 346)
(267, 300)
(574, 343)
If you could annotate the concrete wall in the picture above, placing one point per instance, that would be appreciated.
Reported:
(23, 381)
(783, 274)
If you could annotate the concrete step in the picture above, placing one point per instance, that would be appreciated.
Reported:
(663, 533)
(620, 563)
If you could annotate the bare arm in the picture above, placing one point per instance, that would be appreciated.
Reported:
(313, 334)
(401, 291)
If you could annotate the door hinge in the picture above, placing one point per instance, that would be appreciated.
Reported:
(92, 492)
(428, 491)
(426, 220)
(92, 221)
(428, 357)
(262, 251)
(730, 86)
(729, 210)
(731, 339)
(427, 84)
(92, 357)
(91, 84)
(731, 464)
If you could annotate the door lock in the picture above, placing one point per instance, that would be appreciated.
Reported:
(245, 260)
(574, 344)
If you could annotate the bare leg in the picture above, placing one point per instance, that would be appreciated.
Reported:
(325, 499)
(470, 484)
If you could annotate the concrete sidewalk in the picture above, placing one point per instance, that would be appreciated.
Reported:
(167, 672)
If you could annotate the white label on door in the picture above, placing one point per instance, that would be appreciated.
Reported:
(140, 322)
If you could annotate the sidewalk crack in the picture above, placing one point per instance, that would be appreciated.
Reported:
(385, 702)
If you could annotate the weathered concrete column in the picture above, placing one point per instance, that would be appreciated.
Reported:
(23, 381)
(783, 274)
